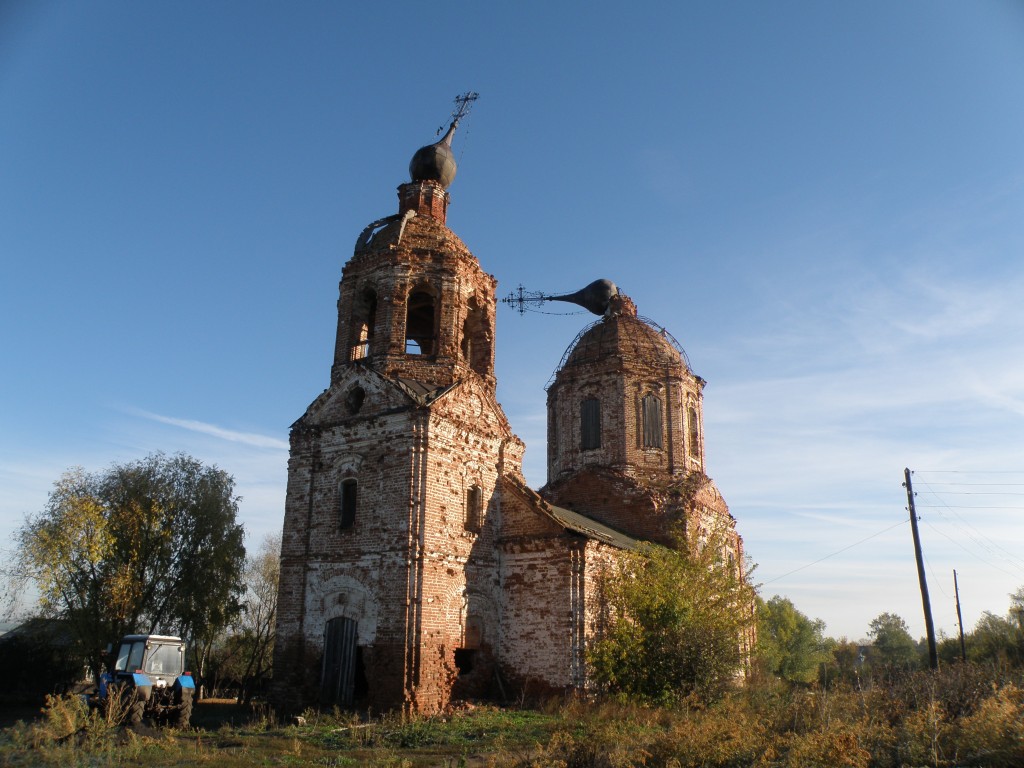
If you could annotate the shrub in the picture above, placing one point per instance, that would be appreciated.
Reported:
(994, 734)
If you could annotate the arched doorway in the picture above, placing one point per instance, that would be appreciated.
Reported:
(343, 677)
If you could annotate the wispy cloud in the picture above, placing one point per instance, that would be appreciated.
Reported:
(246, 438)
(811, 419)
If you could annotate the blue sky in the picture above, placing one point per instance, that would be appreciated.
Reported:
(821, 201)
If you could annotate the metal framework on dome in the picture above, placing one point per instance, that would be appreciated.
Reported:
(662, 330)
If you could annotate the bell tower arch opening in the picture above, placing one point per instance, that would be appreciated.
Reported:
(476, 339)
(364, 322)
(421, 320)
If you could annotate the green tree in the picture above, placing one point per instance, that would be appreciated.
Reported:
(789, 644)
(1016, 612)
(996, 639)
(846, 663)
(146, 546)
(245, 651)
(892, 641)
(679, 623)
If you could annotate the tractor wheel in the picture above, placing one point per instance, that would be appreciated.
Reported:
(185, 712)
(136, 708)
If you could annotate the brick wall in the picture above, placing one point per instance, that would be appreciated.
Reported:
(457, 581)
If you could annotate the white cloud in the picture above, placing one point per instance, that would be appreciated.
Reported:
(246, 438)
(811, 421)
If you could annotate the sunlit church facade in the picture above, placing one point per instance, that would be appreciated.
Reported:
(417, 565)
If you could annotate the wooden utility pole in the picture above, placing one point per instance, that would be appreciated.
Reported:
(959, 618)
(933, 655)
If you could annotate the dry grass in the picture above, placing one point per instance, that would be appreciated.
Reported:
(962, 716)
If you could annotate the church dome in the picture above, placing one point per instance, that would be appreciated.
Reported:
(622, 337)
(435, 162)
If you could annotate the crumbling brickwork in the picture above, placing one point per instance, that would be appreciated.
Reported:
(416, 565)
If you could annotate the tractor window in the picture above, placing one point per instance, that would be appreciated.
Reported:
(164, 660)
(135, 657)
(122, 657)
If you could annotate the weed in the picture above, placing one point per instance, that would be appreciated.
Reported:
(964, 716)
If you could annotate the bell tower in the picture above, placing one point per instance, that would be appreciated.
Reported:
(414, 302)
(387, 593)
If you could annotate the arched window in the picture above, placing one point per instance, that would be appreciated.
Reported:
(691, 417)
(364, 320)
(474, 508)
(349, 497)
(651, 411)
(420, 325)
(590, 424)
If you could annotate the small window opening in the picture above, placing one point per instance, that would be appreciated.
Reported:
(354, 400)
(364, 320)
(420, 334)
(590, 424)
(651, 406)
(474, 508)
(691, 417)
(349, 495)
(464, 658)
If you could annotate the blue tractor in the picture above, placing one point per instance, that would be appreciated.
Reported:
(149, 680)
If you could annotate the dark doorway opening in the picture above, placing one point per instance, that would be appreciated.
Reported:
(464, 658)
(339, 673)
(361, 686)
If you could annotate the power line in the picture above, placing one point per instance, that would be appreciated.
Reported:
(837, 552)
(972, 506)
(991, 544)
(990, 485)
(968, 472)
(975, 555)
(979, 493)
(935, 579)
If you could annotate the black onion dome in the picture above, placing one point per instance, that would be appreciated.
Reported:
(435, 162)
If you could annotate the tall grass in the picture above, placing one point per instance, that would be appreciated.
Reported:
(964, 715)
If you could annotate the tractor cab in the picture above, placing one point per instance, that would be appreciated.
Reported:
(159, 657)
(147, 676)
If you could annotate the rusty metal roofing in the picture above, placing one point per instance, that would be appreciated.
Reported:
(572, 521)
(592, 529)
(421, 392)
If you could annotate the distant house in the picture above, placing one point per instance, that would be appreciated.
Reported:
(38, 657)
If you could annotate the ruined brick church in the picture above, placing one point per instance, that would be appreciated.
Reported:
(417, 566)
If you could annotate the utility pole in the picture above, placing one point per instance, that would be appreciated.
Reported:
(959, 618)
(933, 656)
